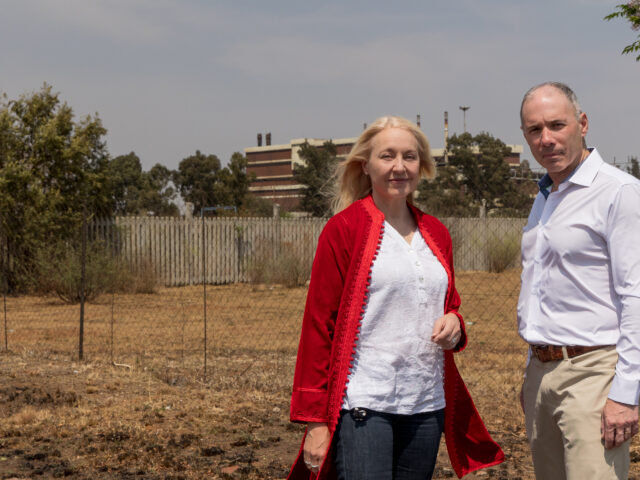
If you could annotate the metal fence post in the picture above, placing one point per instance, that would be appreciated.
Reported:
(5, 288)
(204, 293)
(204, 276)
(83, 261)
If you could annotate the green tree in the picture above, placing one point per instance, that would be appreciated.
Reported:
(52, 169)
(24, 218)
(477, 177)
(125, 172)
(200, 181)
(158, 192)
(237, 179)
(445, 195)
(634, 168)
(316, 175)
(630, 11)
(136, 192)
(67, 157)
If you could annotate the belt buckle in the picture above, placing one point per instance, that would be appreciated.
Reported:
(359, 414)
(542, 352)
(539, 350)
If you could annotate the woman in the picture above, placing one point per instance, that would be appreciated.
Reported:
(380, 327)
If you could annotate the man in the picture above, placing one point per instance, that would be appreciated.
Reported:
(579, 306)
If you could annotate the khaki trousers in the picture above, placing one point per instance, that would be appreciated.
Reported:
(563, 404)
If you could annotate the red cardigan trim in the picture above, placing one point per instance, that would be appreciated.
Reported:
(335, 306)
(354, 313)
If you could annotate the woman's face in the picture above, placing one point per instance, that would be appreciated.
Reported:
(394, 165)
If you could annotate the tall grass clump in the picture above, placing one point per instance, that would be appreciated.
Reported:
(59, 272)
(141, 278)
(456, 231)
(279, 264)
(502, 252)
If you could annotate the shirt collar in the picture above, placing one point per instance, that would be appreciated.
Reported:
(582, 175)
(586, 172)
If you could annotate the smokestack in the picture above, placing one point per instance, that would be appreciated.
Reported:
(267, 138)
(418, 120)
(259, 139)
(446, 137)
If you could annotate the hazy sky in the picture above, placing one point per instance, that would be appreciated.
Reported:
(168, 77)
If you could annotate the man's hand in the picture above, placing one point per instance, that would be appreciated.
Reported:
(316, 445)
(619, 423)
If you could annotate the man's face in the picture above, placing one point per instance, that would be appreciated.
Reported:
(553, 131)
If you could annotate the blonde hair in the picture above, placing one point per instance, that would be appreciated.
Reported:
(352, 184)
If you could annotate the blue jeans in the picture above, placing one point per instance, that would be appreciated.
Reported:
(385, 446)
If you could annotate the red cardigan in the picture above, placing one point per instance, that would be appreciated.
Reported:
(334, 309)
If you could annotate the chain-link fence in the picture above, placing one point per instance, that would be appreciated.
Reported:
(135, 290)
(219, 302)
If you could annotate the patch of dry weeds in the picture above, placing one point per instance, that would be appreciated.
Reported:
(157, 417)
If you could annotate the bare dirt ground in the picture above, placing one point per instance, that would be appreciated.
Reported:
(157, 417)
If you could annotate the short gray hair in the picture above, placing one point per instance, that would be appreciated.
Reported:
(563, 87)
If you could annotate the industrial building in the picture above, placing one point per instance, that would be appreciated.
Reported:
(273, 166)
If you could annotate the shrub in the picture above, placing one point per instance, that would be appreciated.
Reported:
(502, 252)
(283, 266)
(59, 271)
(254, 206)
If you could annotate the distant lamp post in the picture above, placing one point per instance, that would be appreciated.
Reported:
(464, 117)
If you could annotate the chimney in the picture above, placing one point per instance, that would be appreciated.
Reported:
(446, 137)
(259, 139)
(267, 138)
(418, 120)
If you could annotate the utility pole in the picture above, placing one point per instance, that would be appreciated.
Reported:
(464, 116)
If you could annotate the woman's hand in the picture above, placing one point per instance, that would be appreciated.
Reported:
(446, 331)
(316, 445)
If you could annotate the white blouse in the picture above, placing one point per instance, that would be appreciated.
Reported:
(397, 368)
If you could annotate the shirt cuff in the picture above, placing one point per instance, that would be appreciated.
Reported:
(309, 405)
(624, 391)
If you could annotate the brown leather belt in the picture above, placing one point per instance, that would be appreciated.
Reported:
(553, 353)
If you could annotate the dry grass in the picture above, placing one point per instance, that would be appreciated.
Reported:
(30, 416)
(160, 419)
